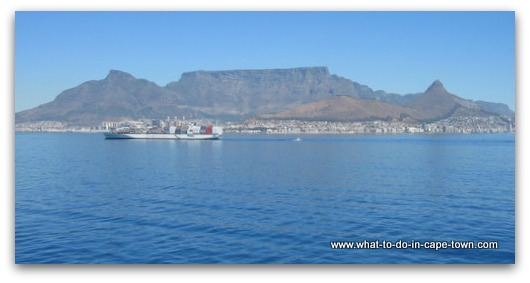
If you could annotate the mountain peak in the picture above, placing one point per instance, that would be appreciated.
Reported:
(116, 74)
(437, 82)
(436, 87)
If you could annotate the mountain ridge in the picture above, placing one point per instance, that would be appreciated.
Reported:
(243, 94)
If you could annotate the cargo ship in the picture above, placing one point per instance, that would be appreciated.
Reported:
(192, 132)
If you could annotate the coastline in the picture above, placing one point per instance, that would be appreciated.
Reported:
(452, 125)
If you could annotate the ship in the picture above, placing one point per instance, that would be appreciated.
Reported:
(191, 132)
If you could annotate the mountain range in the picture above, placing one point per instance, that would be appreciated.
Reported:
(307, 93)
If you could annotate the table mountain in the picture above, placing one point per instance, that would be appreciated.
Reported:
(244, 93)
(307, 92)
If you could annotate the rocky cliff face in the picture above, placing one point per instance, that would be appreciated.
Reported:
(246, 93)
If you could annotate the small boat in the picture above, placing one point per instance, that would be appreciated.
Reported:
(297, 139)
(193, 132)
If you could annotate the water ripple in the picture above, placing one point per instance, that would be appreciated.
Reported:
(260, 199)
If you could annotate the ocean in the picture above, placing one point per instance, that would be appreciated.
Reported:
(260, 199)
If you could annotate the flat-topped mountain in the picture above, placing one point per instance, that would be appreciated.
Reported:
(245, 93)
(304, 93)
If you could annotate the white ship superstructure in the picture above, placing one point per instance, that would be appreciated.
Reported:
(191, 132)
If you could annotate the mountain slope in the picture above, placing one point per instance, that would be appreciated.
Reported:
(240, 94)
(496, 108)
(434, 104)
(366, 92)
(437, 103)
(118, 96)
(344, 108)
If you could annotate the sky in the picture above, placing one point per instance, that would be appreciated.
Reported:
(472, 53)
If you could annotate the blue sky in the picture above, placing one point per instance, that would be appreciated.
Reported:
(472, 53)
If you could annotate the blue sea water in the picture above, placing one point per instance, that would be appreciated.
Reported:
(262, 198)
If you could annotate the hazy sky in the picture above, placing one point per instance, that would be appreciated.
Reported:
(472, 53)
